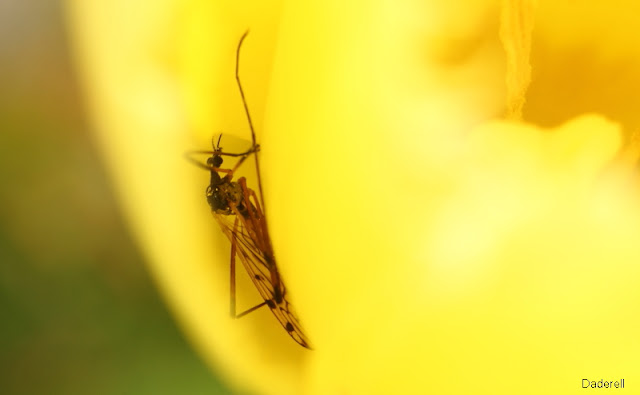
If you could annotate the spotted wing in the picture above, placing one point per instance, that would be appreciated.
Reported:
(260, 265)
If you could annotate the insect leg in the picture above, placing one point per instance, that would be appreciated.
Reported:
(232, 280)
(248, 152)
(259, 226)
(242, 159)
(232, 271)
(254, 308)
(254, 217)
(246, 110)
(244, 101)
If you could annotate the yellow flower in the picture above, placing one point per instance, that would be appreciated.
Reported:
(451, 199)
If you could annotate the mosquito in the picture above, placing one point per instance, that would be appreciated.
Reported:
(240, 213)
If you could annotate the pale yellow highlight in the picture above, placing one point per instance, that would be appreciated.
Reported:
(528, 268)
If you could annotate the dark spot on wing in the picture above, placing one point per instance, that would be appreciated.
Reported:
(270, 304)
(289, 327)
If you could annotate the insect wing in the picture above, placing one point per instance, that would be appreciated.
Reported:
(261, 273)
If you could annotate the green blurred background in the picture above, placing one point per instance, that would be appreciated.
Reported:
(78, 312)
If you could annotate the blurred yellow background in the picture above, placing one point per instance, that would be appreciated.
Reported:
(78, 312)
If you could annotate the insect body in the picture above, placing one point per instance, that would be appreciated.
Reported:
(240, 214)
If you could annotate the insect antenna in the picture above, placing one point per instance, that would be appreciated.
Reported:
(216, 146)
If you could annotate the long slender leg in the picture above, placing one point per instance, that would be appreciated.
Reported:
(232, 271)
(222, 153)
(259, 226)
(246, 110)
(242, 159)
(243, 156)
(244, 101)
(252, 218)
(229, 173)
(254, 308)
(232, 279)
(256, 217)
(254, 149)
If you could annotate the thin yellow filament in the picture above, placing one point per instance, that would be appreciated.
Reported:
(516, 26)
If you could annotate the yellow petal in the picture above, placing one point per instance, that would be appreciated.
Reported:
(149, 97)
(427, 246)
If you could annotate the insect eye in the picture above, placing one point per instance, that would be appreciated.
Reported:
(214, 161)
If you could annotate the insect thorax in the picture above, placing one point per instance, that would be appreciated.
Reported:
(219, 196)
